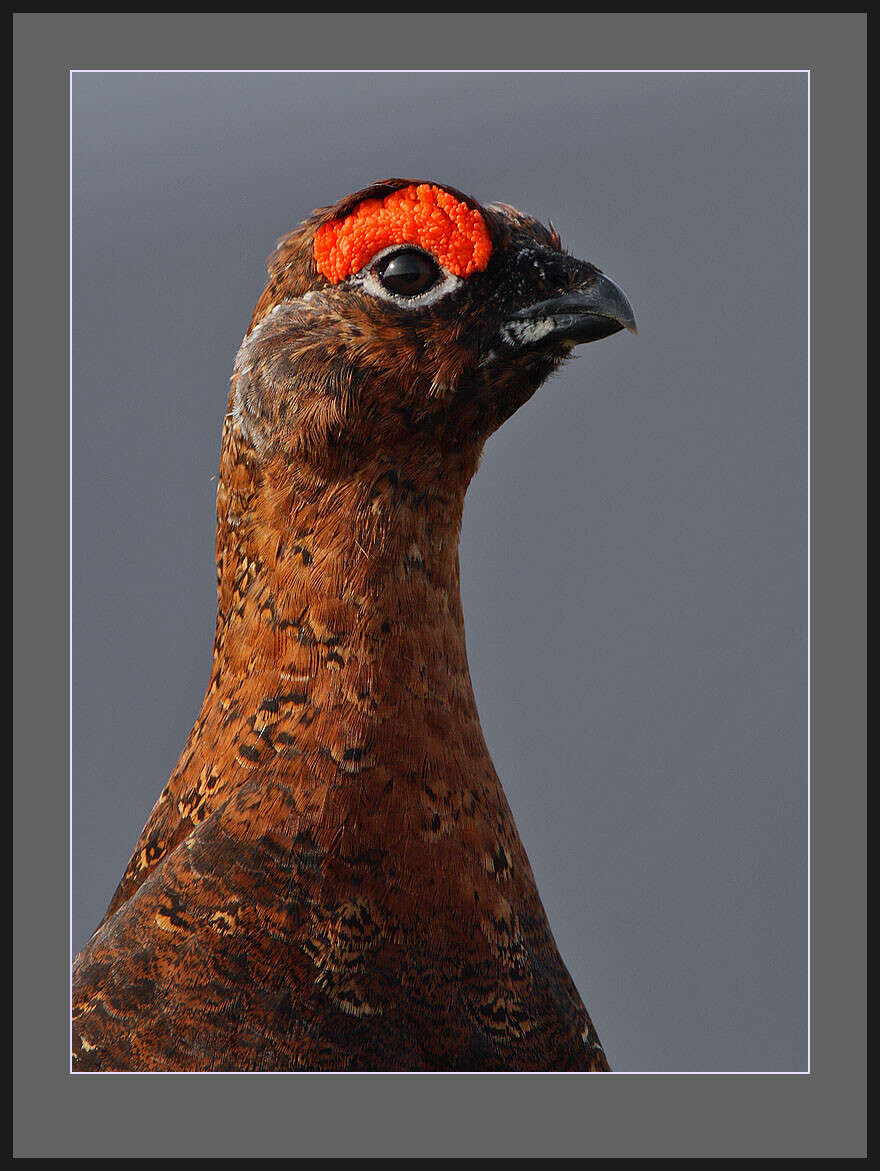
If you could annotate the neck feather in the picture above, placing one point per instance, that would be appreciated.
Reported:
(340, 635)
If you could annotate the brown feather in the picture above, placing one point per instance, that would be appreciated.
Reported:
(332, 878)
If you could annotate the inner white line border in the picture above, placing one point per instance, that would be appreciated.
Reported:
(463, 1073)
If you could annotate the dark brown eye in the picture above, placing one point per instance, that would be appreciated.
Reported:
(408, 273)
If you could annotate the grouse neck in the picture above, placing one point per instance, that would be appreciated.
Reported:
(343, 592)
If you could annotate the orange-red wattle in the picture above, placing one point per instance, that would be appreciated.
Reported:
(423, 215)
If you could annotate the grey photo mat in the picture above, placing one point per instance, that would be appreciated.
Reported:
(567, 1116)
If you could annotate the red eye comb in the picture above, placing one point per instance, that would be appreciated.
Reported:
(423, 215)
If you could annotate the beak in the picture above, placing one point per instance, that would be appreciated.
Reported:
(591, 312)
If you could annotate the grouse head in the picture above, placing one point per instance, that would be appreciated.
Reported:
(410, 321)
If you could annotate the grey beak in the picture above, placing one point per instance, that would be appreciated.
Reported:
(585, 315)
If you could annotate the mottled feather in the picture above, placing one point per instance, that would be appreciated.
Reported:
(332, 878)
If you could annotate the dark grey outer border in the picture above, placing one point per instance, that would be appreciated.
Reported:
(821, 1114)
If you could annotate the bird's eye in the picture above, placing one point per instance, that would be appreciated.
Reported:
(408, 273)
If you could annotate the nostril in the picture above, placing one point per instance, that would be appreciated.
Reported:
(547, 273)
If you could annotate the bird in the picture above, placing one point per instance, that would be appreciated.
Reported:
(332, 879)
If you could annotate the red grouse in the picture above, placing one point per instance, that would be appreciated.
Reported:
(332, 878)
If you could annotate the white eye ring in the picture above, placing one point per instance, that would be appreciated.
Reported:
(371, 284)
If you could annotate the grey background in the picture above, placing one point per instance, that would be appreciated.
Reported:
(634, 548)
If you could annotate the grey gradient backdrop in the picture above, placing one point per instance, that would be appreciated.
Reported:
(634, 545)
